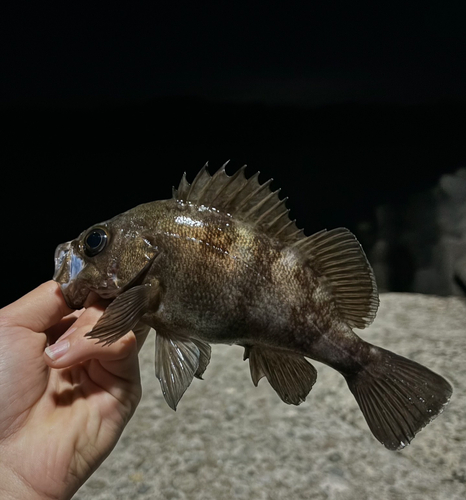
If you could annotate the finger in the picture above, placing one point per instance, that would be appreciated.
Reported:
(141, 331)
(56, 331)
(39, 309)
(120, 358)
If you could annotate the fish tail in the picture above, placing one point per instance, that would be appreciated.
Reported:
(397, 396)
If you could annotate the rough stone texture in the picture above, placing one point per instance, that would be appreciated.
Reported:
(419, 243)
(230, 440)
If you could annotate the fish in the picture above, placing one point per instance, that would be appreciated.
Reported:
(222, 262)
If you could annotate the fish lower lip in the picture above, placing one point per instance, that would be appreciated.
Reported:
(91, 299)
(71, 300)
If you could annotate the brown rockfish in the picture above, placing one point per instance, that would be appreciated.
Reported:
(221, 262)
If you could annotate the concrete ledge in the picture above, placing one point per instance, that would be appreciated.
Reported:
(230, 440)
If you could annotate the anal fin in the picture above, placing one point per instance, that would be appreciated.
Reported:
(290, 375)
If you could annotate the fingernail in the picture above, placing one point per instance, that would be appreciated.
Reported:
(57, 350)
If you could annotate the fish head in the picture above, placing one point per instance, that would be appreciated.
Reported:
(107, 259)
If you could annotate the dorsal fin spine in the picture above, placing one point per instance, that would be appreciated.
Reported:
(235, 193)
(284, 227)
(261, 203)
(259, 188)
(220, 191)
(299, 244)
(207, 184)
(279, 216)
(183, 188)
(229, 181)
(297, 232)
(196, 180)
(218, 173)
(255, 193)
(270, 210)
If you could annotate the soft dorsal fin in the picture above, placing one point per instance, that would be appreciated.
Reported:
(245, 199)
(338, 258)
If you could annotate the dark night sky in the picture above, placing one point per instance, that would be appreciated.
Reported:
(286, 52)
(345, 104)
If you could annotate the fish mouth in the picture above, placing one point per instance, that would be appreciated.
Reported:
(68, 265)
(111, 292)
(70, 273)
(75, 299)
(78, 294)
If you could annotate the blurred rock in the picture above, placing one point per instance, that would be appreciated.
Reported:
(420, 240)
(460, 273)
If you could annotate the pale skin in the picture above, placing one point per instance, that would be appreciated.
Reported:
(59, 418)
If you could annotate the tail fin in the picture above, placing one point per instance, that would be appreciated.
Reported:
(398, 397)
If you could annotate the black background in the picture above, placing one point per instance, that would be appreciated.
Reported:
(346, 105)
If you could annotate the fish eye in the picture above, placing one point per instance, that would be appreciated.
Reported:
(95, 241)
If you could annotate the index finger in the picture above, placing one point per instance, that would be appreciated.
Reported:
(39, 309)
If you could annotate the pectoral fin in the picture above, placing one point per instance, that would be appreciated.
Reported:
(289, 374)
(124, 313)
(177, 362)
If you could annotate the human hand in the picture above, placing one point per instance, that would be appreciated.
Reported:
(59, 418)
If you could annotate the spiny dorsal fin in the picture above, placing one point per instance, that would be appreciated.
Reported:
(245, 199)
(339, 259)
(335, 255)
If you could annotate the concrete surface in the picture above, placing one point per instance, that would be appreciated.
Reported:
(230, 440)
